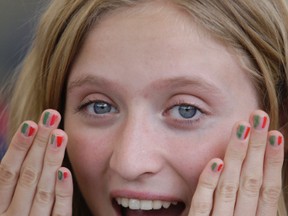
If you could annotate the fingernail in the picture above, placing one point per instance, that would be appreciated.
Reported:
(275, 140)
(216, 167)
(243, 132)
(260, 122)
(56, 141)
(49, 119)
(62, 175)
(27, 130)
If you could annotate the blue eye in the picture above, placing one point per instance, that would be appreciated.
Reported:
(185, 111)
(100, 108)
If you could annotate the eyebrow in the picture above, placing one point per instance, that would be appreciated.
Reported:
(92, 80)
(178, 82)
(198, 83)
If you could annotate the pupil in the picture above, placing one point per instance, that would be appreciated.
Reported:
(102, 108)
(187, 111)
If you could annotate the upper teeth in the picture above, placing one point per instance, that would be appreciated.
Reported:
(135, 204)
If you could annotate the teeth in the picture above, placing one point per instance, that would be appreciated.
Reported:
(146, 204)
(135, 204)
(166, 205)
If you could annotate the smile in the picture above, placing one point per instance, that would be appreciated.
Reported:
(135, 207)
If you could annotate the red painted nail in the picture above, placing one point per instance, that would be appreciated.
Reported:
(280, 139)
(53, 119)
(59, 141)
(220, 167)
(264, 122)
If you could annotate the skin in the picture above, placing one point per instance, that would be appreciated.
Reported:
(146, 63)
(128, 64)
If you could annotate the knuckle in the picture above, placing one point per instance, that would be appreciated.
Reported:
(20, 146)
(251, 186)
(61, 214)
(63, 197)
(41, 140)
(236, 155)
(44, 196)
(53, 161)
(270, 195)
(275, 162)
(202, 207)
(7, 176)
(228, 191)
(61, 206)
(28, 177)
(257, 146)
(205, 183)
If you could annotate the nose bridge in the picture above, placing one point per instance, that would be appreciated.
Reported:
(135, 153)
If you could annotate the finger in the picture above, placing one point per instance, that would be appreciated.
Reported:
(227, 188)
(44, 197)
(32, 166)
(252, 171)
(64, 193)
(202, 201)
(11, 163)
(271, 189)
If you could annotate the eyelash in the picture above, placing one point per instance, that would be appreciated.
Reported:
(85, 105)
(185, 122)
(181, 122)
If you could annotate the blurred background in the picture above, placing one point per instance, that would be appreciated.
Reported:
(18, 20)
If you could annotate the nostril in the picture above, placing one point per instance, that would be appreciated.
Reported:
(134, 165)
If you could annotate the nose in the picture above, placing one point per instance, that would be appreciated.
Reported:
(136, 153)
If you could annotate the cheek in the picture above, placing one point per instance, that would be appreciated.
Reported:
(88, 153)
(194, 152)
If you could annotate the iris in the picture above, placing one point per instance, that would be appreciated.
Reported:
(102, 108)
(187, 111)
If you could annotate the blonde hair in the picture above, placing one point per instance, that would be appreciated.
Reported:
(257, 29)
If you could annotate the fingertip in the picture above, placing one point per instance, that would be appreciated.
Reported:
(63, 174)
(28, 129)
(64, 184)
(259, 120)
(23, 138)
(216, 165)
(50, 118)
(242, 130)
(58, 138)
(212, 171)
(64, 192)
(275, 139)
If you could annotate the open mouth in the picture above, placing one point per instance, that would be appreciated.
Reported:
(135, 207)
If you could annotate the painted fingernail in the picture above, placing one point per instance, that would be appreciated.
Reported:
(49, 119)
(62, 175)
(260, 122)
(27, 130)
(243, 132)
(56, 141)
(215, 167)
(275, 140)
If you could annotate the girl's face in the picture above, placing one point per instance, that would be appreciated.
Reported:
(151, 99)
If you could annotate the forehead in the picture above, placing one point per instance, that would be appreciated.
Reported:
(163, 18)
(154, 41)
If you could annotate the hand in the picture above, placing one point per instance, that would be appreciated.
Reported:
(250, 183)
(31, 180)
